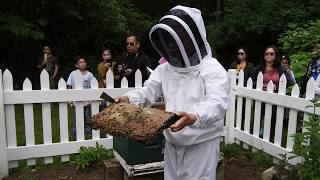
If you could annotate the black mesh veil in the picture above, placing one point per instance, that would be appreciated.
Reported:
(167, 47)
(174, 43)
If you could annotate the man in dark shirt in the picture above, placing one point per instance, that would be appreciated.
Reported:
(51, 64)
(131, 61)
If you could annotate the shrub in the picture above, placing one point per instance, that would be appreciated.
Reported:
(90, 155)
(307, 145)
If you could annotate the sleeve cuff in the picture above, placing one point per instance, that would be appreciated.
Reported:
(196, 123)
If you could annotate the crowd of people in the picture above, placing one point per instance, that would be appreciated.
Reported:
(272, 66)
(126, 66)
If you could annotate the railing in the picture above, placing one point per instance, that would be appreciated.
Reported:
(255, 132)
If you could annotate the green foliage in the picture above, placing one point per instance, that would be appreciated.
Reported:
(89, 155)
(301, 37)
(258, 158)
(70, 28)
(261, 159)
(307, 145)
(285, 169)
(20, 27)
(256, 24)
(231, 150)
(250, 19)
(299, 43)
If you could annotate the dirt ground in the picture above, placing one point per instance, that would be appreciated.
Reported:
(241, 168)
(234, 169)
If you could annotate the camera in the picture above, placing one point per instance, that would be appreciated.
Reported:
(124, 67)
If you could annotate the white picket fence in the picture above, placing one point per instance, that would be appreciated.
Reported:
(249, 136)
(11, 153)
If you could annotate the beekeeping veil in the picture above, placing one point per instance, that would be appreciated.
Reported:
(180, 37)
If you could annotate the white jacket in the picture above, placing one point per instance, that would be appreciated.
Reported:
(201, 90)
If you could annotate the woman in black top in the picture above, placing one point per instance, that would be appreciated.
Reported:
(242, 63)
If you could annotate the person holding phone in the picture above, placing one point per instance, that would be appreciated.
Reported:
(51, 64)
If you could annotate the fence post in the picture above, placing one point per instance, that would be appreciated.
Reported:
(230, 116)
(3, 137)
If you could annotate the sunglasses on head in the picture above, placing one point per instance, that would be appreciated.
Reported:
(240, 53)
(130, 44)
(269, 53)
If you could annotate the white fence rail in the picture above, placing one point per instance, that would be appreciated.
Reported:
(253, 130)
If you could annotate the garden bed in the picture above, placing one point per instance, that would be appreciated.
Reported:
(235, 168)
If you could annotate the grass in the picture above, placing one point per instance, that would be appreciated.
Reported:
(37, 111)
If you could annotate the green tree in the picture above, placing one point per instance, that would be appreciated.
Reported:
(70, 27)
(299, 42)
(256, 24)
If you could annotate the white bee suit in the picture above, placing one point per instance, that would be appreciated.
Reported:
(194, 82)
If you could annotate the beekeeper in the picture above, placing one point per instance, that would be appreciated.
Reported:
(195, 86)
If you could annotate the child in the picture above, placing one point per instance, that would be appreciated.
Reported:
(86, 78)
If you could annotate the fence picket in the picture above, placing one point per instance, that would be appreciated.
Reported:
(63, 119)
(46, 114)
(10, 116)
(124, 82)
(95, 108)
(230, 119)
(257, 107)
(247, 119)
(29, 121)
(292, 124)
(4, 166)
(240, 78)
(280, 111)
(268, 115)
(310, 94)
(79, 110)
(138, 79)
(109, 79)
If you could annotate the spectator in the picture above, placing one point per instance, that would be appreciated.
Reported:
(86, 78)
(131, 61)
(285, 61)
(271, 69)
(248, 68)
(312, 71)
(242, 63)
(104, 66)
(51, 64)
